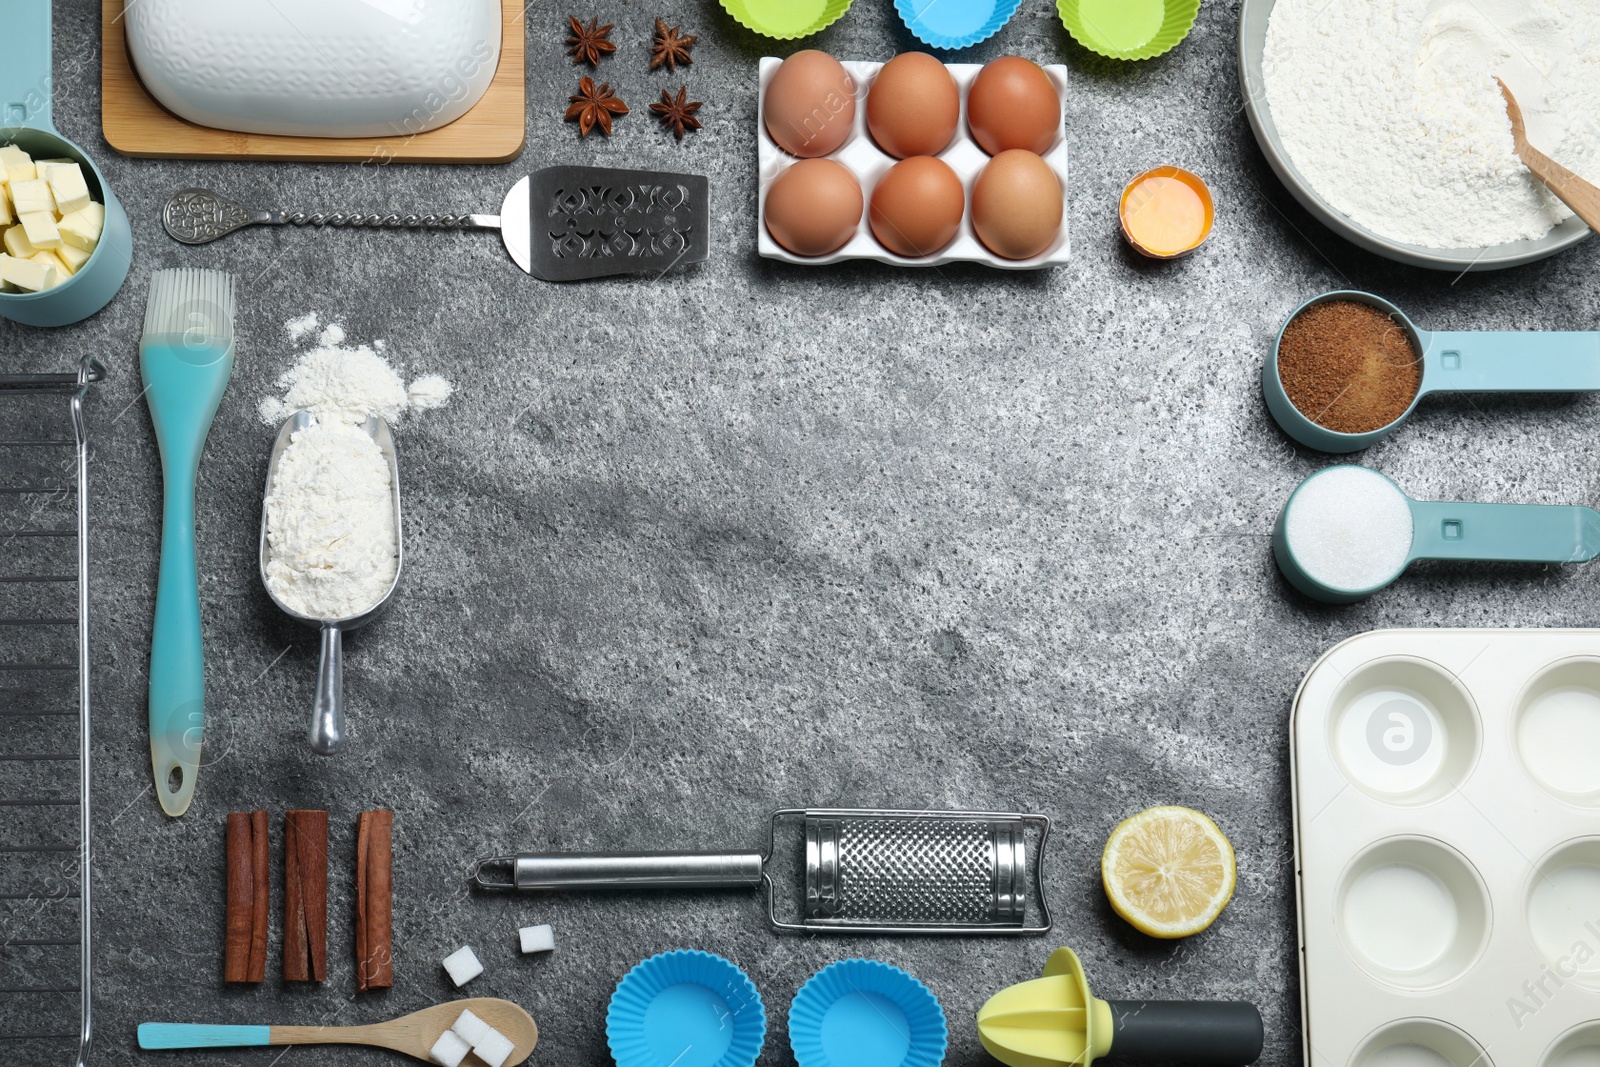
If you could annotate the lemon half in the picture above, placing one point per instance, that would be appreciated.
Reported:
(1168, 870)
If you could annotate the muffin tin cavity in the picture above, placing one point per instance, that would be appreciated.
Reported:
(1447, 849)
(1413, 912)
(1563, 911)
(1558, 730)
(1420, 1043)
(1404, 730)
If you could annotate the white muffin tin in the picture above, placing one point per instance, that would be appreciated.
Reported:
(1447, 847)
(868, 163)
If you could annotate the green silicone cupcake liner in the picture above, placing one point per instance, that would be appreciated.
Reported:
(1128, 29)
(786, 20)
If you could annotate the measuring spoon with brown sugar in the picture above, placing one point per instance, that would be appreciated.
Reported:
(1349, 367)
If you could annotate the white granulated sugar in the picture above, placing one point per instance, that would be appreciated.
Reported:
(332, 546)
(429, 391)
(1349, 528)
(1390, 110)
(299, 328)
(334, 380)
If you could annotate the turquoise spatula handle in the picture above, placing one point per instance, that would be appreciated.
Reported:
(1519, 533)
(199, 1035)
(1509, 362)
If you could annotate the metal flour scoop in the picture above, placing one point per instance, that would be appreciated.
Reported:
(1054, 1021)
(326, 734)
(560, 223)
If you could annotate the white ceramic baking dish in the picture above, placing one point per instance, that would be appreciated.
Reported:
(1447, 839)
(316, 68)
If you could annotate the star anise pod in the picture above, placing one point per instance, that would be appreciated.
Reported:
(589, 43)
(677, 114)
(593, 106)
(670, 46)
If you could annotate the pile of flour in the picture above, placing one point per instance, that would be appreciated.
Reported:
(333, 548)
(1390, 110)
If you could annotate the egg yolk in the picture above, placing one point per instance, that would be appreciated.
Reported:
(1165, 215)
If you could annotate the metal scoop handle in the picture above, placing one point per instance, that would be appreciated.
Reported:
(200, 216)
(624, 870)
(327, 711)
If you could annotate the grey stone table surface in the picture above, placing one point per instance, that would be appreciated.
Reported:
(681, 550)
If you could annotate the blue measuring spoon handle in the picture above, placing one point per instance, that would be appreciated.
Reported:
(25, 73)
(1519, 533)
(1511, 362)
(200, 1035)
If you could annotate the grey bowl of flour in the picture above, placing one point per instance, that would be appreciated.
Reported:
(1253, 20)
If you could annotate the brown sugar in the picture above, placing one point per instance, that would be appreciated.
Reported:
(1348, 367)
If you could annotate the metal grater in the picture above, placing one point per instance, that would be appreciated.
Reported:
(867, 871)
(44, 718)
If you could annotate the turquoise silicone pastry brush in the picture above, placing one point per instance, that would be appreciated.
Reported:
(185, 357)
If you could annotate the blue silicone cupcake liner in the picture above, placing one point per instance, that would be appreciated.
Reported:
(955, 23)
(862, 1013)
(685, 1009)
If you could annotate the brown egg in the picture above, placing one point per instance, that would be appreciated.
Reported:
(916, 206)
(1013, 104)
(810, 104)
(913, 106)
(1016, 205)
(814, 207)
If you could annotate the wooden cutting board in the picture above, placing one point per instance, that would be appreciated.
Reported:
(135, 125)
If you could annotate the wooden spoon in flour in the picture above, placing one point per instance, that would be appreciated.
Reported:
(1582, 197)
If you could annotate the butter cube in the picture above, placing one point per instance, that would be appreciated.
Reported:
(27, 275)
(81, 229)
(68, 187)
(49, 259)
(5, 286)
(6, 217)
(16, 242)
(32, 195)
(16, 164)
(40, 228)
(71, 258)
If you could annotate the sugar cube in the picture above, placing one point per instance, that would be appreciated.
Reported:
(462, 965)
(32, 195)
(81, 229)
(6, 217)
(71, 258)
(17, 244)
(28, 275)
(471, 1029)
(449, 1050)
(40, 228)
(15, 164)
(537, 939)
(494, 1049)
(68, 187)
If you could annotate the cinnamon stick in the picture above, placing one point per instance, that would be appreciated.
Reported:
(374, 900)
(305, 896)
(245, 950)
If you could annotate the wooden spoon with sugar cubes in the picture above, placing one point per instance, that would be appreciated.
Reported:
(496, 1031)
(1582, 197)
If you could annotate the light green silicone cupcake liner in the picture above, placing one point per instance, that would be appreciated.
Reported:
(786, 20)
(1128, 29)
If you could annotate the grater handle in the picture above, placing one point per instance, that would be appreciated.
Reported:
(628, 870)
(1221, 1033)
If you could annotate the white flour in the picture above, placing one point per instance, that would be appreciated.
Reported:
(333, 546)
(1390, 110)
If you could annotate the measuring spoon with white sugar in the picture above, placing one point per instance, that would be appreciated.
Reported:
(1347, 532)
(1468, 361)
(326, 733)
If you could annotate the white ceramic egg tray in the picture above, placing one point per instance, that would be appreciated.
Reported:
(868, 163)
(1447, 847)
